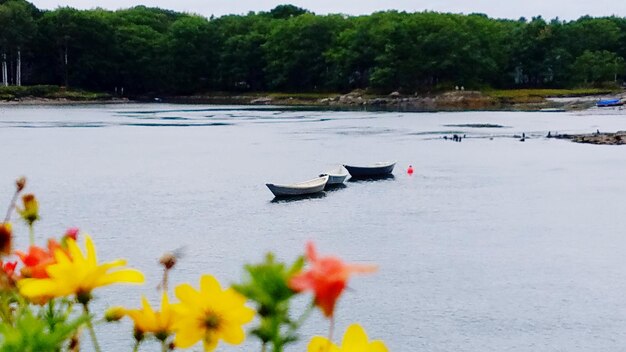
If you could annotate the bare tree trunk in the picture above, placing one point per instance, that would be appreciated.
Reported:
(11, 71)
(5, 76)
(65, 60)
(18, 80)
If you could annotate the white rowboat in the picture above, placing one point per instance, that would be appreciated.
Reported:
(315, 185)
(336, 176)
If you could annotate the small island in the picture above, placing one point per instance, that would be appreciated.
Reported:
(600, 138)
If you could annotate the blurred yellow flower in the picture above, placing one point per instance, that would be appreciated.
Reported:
(115, 313)
(75, 273)
(354, 340)
(209, 315)
(147, 321)
(30, 210)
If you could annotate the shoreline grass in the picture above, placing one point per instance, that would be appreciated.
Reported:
(49, 92)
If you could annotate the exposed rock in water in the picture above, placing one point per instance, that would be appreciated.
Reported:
(263, 100)
(477, 125)
(617, 138)
(447, 101)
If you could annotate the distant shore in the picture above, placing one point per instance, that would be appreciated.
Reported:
(509, 100)
(62, 101)
(456, 100)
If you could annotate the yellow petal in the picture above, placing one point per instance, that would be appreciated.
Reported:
(355, 339)
(209, 286)
(75, 253)
(37, 287)
(125, 275)
(241, 315)
(235, 299)
(61, 257)
(167, 314)
(378, 346)
(321, 344)
(232, 333)
(210, 343)
(188, 335)
(188, 295)
(145, 305)
(92, 258)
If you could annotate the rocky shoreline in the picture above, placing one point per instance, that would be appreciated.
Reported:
(62, 101)
(447, 101)
(458, 100)
(617, 138)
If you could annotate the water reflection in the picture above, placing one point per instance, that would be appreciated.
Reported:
(389, 177)
(335, 187)
(290, 199)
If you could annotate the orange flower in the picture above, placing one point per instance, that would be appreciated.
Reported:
(37, 260)
(6, 238)
(327, 278)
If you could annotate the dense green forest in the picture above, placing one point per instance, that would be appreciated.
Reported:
(151, 50)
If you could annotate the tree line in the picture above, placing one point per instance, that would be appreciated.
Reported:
(150, 50)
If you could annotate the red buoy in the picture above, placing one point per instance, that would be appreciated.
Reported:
(410, 170)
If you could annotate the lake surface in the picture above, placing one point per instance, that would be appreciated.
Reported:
(492, 245)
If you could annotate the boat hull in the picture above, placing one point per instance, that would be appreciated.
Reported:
(370, 171)
(336, 179)
(336, 176)
(299, 189)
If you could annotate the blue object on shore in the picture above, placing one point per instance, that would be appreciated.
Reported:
(610, 102)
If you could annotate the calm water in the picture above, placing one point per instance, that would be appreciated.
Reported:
(492, 245)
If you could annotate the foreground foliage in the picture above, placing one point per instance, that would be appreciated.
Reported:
(45, 299)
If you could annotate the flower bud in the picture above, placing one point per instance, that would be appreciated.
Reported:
(20, 183)
(72, 233)
(168, 260)
(114, 314)
(6, 238)
(30, 210)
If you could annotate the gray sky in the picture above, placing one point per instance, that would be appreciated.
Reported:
(564, 9)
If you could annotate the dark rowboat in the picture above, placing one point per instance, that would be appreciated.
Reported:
(370, 171)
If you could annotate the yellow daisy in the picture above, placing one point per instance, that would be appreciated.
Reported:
(147, 321)
(75, 273)
(354, 340)
(209, 315)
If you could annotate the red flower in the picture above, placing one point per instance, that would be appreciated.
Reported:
(7, 275)
(327, 278)
(37, 260)
(8, 268)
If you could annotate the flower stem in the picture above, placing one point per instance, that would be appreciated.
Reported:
(305, 315)
(92, 332)
(164, 346)
(11, 206)
(165, 277)
(31, 234)
(331, 330)
(136, 347)
(263, 346)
